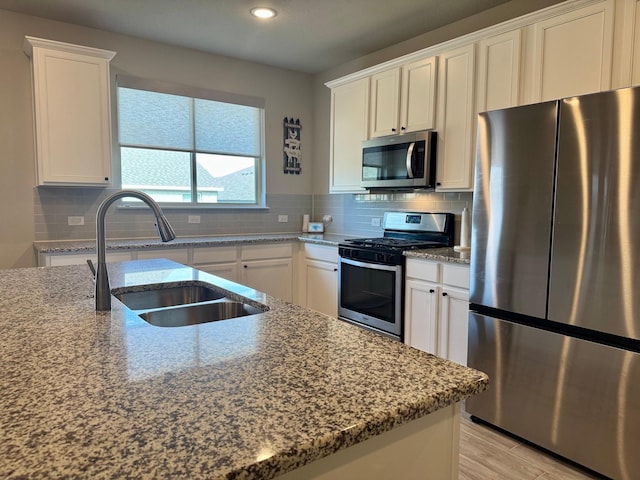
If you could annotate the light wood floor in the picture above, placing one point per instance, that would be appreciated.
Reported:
(486, 454)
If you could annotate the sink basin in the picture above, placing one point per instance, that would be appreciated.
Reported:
(166, 295)
(199, 313)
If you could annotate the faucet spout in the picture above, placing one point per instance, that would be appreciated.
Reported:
(103, 291)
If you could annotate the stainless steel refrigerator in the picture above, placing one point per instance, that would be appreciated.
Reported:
(555, 277)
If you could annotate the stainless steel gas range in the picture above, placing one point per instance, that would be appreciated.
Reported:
(371, 270)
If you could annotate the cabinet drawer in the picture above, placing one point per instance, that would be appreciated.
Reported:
(321, 252)
(455, 275)
(258, 252)
(180, 256)
(423, 270)
(205, 255)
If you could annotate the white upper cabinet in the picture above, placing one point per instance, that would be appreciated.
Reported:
(384, 108)
(349, 127)
(403, 98)
(72, 113)
(573, 53)
(456, 119)
(498, 80)
(418, 95)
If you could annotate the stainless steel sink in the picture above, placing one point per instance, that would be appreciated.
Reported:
(166, 295)
(182, 304)
(199, 313)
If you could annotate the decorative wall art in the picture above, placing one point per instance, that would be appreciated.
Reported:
(292, 139)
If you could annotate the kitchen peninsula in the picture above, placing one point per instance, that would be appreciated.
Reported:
(278, 394)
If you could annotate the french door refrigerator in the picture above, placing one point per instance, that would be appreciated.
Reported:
(555, 277)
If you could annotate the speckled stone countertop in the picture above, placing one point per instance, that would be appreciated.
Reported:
(447, 254)
(107, 395)
(329, 239)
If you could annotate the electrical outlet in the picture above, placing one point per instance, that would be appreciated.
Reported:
(193, 219)
(283, 218)
(375, 222)
(75, 220)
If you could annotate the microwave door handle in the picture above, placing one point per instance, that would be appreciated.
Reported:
(409, 163)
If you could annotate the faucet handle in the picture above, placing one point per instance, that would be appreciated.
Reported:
(92, 268)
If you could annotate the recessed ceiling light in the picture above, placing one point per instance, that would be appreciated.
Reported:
(263, 12)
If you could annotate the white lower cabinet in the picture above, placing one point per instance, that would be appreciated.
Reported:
(421, 315)
(55, 260)
(180, 255)
(454, 324)
(269, 269)
(437, 308)
(319, 278)
(220, 261)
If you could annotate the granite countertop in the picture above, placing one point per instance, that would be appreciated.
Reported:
(446, 254)
(76, 246)
(107, 395)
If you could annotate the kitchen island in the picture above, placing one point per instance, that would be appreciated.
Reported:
(281, 393)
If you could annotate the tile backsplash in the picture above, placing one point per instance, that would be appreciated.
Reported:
(54, 206)
(351, 214)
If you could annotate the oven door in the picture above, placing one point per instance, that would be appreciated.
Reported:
(370, 295)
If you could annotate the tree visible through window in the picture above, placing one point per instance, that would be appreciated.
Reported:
(187, 150)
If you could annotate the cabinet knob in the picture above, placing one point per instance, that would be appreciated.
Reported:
(431, 290)
(245, 266)
(438, 184)
(403, 128)
(444, 294)
(393, 129)
(106, 179)
(335, 269)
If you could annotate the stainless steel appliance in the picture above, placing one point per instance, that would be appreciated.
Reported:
(371, 270)
(555, 277)
(400, 161)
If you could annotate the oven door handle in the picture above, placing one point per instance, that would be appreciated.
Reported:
(375, 266)
(409, 158)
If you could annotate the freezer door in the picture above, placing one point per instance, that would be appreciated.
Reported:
(595, 266)
(511, 223)
(576, 398)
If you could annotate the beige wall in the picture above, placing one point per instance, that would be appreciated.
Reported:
(322, 95)
(286, 94)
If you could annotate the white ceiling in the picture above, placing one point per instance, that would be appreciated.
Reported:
(306, 35)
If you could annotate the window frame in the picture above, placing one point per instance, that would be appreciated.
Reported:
(137, 83)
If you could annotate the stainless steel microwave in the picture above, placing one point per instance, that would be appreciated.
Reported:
(400, 161)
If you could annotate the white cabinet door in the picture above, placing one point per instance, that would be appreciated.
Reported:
(349, 127)
(54, 260)
(421, 315)
(456, 119)
(498, 79)
(403, 98)
(221, 261)
(273, 277)
(418, 95)
(180, 255)
(72, 113)
(573, 53)
(321, 286)
(454, 324)
(228, 271)
(385, 103)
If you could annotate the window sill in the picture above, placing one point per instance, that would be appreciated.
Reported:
(211, 208)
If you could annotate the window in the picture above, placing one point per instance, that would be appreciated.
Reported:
(200, 148)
